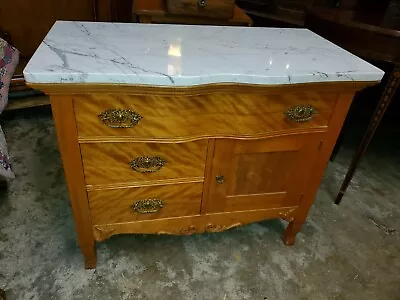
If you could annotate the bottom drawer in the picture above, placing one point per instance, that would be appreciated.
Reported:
(144, 203)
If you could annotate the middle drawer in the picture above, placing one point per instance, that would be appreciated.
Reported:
(106, 163)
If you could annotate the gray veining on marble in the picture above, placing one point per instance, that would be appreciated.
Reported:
(184, 55)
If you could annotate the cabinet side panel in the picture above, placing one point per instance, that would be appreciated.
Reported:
(64, 119)
(339, 115)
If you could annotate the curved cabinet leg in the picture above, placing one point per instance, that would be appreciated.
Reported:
(90, 257)
(289, 237)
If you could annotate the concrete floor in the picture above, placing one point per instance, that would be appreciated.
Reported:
(346, 252)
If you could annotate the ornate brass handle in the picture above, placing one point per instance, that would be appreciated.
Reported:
(202, 3)
(220, 179)
(148, 206)
(120, 118)
(301, 113)
(147, 164)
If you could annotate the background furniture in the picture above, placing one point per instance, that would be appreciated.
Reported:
(276, 13)
(220, 9)
(371, 35)
(292, 13)
(156, 11)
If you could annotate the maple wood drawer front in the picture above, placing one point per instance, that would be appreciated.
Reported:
(144, 203)
(213, 114)
(105, 163)
(209, 8)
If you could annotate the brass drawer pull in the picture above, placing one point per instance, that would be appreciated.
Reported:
(202, 3)
(147, 206)
(301, 113)
(120, 118)
(147, 164)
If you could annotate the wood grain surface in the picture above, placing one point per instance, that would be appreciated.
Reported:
(261, 174)
(64, 120)
(271, 166)
(115, 206)
(215, 114)
(106, 163)
(191, 224)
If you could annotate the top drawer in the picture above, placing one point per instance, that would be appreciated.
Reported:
(203, 8)
(218, 114)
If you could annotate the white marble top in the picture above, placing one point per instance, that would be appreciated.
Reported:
(183, 55)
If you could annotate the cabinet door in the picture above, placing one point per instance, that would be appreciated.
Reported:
(260, 174)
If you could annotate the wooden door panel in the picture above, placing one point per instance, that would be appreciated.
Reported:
(261, 174)
(266, 172)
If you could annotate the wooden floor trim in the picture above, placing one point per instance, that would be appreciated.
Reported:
(215, 222)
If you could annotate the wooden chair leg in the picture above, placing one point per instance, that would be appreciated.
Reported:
(2, 295)
(3, 185)
(390, 90)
